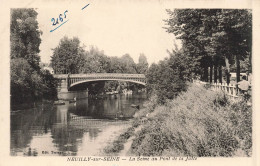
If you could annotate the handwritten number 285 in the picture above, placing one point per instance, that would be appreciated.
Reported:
(55, 22)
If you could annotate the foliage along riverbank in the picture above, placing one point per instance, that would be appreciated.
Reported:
(198, 122)
(29, 82)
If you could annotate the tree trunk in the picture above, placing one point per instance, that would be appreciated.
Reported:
(227, 71)
(211, 72)
(215, 73)
(220, 74)
(206, 74)
(250, 63)
(201, 76)
(238, 67)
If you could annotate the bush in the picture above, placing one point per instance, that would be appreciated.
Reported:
(198, 122)
(28, 84)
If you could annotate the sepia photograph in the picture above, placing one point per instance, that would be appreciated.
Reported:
(196, 101)
(130, 80)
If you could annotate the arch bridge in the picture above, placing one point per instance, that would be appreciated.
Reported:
(70, 80)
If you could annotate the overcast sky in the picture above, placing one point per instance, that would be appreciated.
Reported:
(132, 27)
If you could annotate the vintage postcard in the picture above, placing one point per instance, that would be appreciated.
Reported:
(129, 82)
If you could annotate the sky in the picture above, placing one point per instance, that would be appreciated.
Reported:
(117, 28)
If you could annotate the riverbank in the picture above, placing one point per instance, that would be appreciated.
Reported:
(30, 104)
(199, 122)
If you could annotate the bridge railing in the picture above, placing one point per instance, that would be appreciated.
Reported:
(99, 75)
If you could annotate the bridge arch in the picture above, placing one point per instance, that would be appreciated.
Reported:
(95, 80)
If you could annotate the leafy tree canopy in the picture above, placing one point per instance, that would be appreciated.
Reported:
(67, 56)
(25, 36)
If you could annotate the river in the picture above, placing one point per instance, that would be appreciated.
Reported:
(83, 128)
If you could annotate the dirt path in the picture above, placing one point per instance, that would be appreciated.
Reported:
(127, 146)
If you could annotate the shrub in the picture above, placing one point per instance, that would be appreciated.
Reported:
(28, 85)
(198, 122)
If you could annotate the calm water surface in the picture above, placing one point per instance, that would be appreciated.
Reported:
(82, 128)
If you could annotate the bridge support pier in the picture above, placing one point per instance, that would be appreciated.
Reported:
(65, 94)
(64, 85)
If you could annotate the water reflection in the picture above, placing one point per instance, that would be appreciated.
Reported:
(81, 128)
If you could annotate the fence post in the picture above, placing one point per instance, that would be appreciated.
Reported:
(224, 87)
(233, 91)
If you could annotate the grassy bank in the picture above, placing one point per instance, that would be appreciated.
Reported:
(199, 122)
(118, 144)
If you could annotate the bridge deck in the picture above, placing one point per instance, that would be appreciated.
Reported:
(99, 75)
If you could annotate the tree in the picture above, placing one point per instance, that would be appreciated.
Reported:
(28, 82)
(49, 84)
(142, 65)
(128, 64)
(68, 56)
(115, 65)
(170, 76)
(235, 36)
(95, 61)
(186, 25)
(124, 64)
(20, 79)
(25, 36)
(213, 37)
